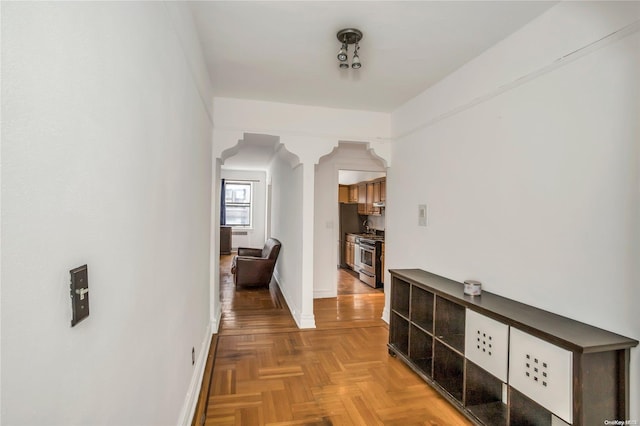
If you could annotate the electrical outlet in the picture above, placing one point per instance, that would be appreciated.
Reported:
(193, 355)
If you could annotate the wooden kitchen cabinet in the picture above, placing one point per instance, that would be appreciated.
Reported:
(376, 198)
(367, 193)
(376, 191)
(501, 362)
(362, 198)
(343, 194)
(353, 193)
(369, 203)
(350, 250)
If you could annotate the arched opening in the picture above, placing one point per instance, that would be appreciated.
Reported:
(292, 209)
(259, 193)
(340, 214)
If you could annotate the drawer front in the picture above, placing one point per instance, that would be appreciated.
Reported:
(487, 343)
(542, 371)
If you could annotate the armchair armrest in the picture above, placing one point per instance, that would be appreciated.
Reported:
(245, 251)
(250, 260)
(253, 270)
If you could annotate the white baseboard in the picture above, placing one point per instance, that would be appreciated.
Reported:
(385, 314)
(215, 321)
(324, 294)
(306, 321)
(302, 321)
(191, 399)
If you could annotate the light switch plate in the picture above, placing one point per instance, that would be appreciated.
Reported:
(422, 215)
(79, 294)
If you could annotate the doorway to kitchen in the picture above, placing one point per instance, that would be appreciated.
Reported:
(361, 231)
(339, 176)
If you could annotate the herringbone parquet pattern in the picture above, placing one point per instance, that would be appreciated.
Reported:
(267, 372)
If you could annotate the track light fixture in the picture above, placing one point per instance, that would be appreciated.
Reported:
(346, 37)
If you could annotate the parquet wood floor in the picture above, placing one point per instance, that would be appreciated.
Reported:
(268, 372)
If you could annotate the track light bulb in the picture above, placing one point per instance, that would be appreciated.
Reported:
(342, 53)
(355, 63)
(344, 65)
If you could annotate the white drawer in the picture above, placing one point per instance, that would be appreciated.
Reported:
(487, 343)
(543, 372)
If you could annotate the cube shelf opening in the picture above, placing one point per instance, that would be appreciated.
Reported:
(399, 333)
(449, 323)
(448, 367)
(422, 308)
(421, 349)
(400, 297)
(483, 396)
(524, 411)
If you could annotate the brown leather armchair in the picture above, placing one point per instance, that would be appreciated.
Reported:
(254, 266)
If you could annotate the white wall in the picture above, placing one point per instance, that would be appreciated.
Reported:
(274, 117)
(256, 235)
(528, 164)
(286, 226)
(327, 226)
(106, 161)
(306, 131)
(215, 310)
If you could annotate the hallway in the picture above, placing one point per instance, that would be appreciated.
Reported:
(267, 371)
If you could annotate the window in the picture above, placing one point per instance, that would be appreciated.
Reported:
(237, 200)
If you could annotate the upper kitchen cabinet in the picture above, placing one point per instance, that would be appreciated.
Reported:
(376, 191)
(370, 198)
(362, 198)
(377, 198)
(353, 193)
(379, 190)
(370, 195)
(343, 194)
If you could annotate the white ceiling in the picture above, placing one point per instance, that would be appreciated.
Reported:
(286, 51)
(349, 177)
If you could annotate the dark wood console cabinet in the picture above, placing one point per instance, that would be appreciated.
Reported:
(501, 362)
(225, 239)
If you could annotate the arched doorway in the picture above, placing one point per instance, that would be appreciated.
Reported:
(351, 160)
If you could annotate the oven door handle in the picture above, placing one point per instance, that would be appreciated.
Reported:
(369, 274)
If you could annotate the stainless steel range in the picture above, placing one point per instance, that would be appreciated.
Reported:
(368, 259)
